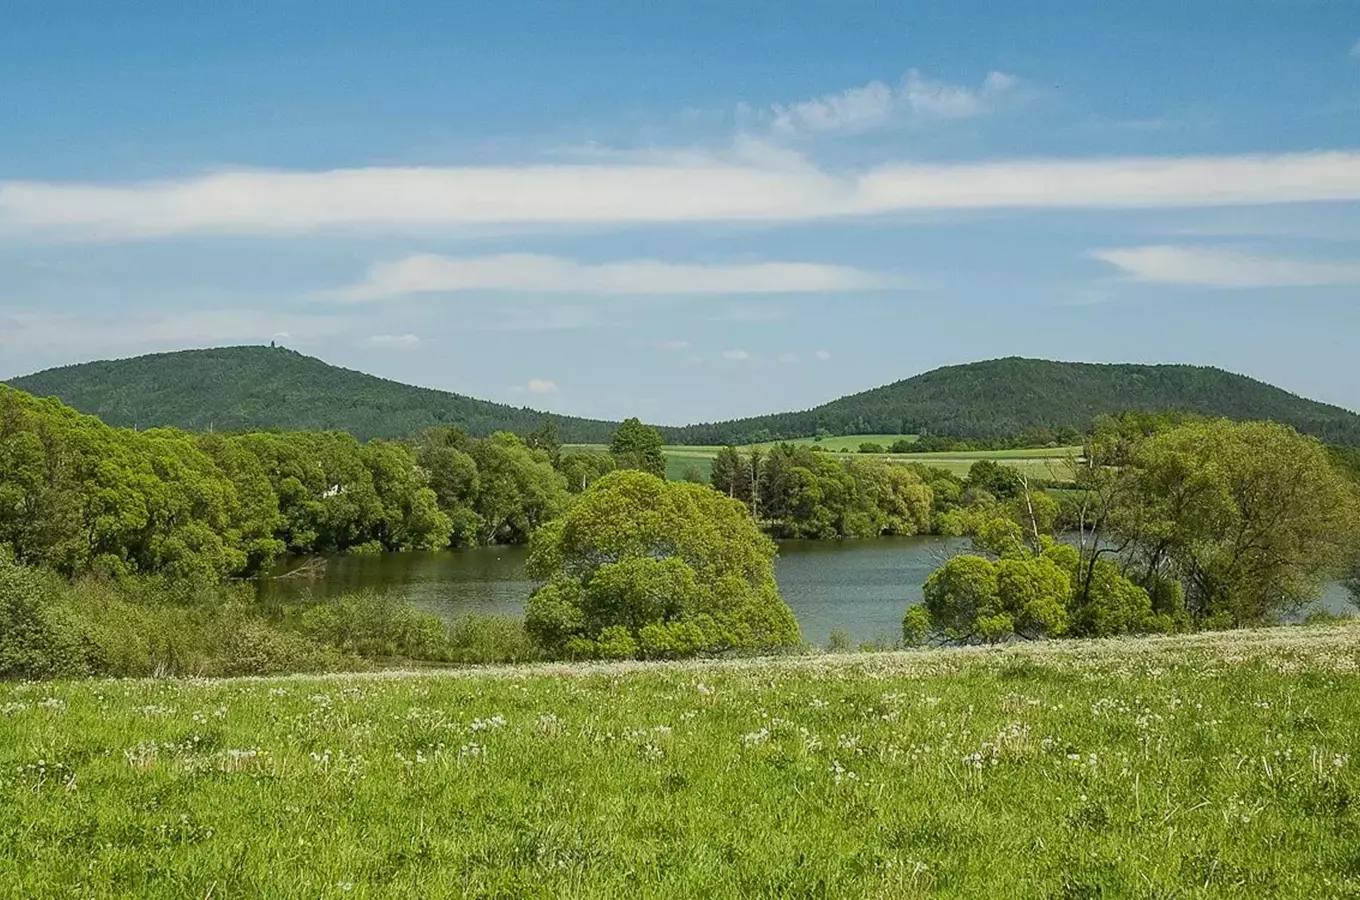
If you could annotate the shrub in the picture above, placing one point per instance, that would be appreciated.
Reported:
(915, 626)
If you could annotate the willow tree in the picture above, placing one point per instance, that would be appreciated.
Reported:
(638, 566)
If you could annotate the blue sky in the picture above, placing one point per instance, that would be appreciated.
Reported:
(685, 211)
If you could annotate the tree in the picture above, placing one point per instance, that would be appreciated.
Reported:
(583, 469)
(729, 472)
(1250, 518)
(998, 480)
(638, 446)
(545, 438)
(520, 489)
(639, 566)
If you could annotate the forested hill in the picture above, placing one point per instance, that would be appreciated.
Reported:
(1003, 397)
(263, 388)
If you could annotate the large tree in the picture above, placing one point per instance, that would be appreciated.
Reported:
(638, 566)
(1251, 517)
(638, 446)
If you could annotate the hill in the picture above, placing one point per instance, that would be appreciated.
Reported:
(1003, 397)
(233, 388)
(236, 388)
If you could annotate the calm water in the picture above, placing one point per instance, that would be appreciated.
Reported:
(862, 587)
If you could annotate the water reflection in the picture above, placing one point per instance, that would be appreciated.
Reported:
(861, 587)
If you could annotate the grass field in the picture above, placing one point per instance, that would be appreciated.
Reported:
(1051, 463)
(1206, 766)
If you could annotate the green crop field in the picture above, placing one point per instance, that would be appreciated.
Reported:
(1215, 765)
(1050, 463)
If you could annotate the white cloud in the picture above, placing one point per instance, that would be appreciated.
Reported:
(1355, 49)
(1113, 183)
(1214, 267)
(672, 346)
(757, 186)
(735, 355)
(939, 99)
(393, 340)
(823, 355)
(531, 273)
(541, 386)
(877, 104)
(855, 109)
(788, 358)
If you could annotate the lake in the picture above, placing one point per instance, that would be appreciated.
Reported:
(862, 587)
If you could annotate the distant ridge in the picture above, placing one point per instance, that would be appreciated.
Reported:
(1003, 397)
(253, 387)
(273, 388)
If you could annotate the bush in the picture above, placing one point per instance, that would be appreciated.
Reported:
(915, 626)
(489, 639)
(253, 648)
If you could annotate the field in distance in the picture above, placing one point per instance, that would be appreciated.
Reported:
(1051, 463)
(1195, 766)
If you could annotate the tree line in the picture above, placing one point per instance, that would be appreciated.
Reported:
(77, 495)
(1171, 524)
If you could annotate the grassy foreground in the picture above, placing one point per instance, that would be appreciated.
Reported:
(1211, 765)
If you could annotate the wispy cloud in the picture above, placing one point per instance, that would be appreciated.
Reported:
(538, 386)
(393, 340)
(683, 189)
(823, 355)
(530, 273)
(1215, 267)
(735, 355)
(671, 346)
(1355, 48)
(788, 358)
(877, 104)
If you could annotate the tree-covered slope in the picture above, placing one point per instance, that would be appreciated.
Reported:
(1003, 397)
(261, 388)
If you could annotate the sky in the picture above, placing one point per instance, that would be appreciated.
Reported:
(686, 211)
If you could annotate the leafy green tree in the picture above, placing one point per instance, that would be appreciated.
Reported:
(915, 626)
(410, 517)
(545, 438)
(582, 469)
(959, 594)
(729, 475)
(638, 446)
(1251, 517)
(1002, 482)
(520, 489)
(452, 475)
(639, 566)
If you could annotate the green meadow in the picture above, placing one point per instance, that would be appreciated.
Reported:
(1049, 463)
(1213, 765)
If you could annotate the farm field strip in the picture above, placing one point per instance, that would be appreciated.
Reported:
(1052, 463)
